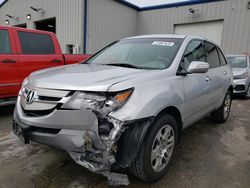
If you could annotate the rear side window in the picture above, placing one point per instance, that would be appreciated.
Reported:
(212, 55)
(4, 42)
(222, 57)
(194, 52)
(34, 43)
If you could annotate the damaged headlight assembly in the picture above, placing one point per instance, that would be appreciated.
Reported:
(103, 103)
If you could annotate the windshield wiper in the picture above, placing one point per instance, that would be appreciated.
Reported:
(124, 65)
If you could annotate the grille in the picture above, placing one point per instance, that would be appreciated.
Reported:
(44, 101)
(239, 88)
(37, 113)
(44, 130)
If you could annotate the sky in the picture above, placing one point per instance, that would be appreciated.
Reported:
(146, 3)
(1, 1)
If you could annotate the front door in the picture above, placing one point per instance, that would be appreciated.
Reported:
(196, 85)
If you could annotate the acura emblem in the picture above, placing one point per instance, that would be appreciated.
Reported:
(31, 96)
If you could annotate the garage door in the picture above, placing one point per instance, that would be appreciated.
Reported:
(210, 30)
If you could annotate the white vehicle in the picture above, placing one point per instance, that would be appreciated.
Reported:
(241, 74)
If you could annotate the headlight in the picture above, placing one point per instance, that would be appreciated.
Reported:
(103, 103)
(242, 76)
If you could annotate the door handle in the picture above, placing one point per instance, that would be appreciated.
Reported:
(8, 61)
(224, 72)
(56, 61)
(208, 79)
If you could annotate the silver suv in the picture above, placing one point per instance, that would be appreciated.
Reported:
(127, 105)
(241, 74)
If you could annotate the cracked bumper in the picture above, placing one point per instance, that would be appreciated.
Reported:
(65, 129)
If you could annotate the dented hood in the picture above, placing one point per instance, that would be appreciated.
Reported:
(88, 77)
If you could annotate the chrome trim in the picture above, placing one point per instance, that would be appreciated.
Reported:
(14, 84)
(38, 103)
(51, 92)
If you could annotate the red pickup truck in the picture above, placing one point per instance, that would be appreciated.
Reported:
(23, 51)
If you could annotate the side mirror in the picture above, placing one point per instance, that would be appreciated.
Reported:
(198, 67)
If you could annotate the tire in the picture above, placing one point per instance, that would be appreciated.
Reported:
(221, 115)
(247, 96)
(145, 168)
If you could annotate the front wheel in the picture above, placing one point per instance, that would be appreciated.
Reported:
(155, 155)
(248, 93)
(221, 115)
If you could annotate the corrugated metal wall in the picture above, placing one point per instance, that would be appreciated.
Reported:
(234, 13)
(68, 13)
(108, 21)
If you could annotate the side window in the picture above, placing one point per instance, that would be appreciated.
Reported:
(34, 43)
(4, 42)
(212, 55)
(194, 52)
(222, 58)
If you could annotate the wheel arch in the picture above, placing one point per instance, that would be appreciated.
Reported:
(135, 135)
(231, 89)
(175, 112)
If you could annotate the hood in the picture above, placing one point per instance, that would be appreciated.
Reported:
(87, 77)
(239, 71)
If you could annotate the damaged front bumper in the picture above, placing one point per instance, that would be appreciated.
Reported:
(76, 131)
(91, 139)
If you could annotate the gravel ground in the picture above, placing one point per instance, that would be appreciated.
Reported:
(209, 155)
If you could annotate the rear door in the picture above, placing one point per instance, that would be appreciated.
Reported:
(216, 74)
(195, 85)
(37, 51)
(9, 65)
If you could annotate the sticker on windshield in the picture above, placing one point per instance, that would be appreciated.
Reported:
(161, 43)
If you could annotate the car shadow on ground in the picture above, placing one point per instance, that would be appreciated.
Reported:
(6, 110)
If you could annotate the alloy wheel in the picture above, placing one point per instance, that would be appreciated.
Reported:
(227, 106)
(162, 148)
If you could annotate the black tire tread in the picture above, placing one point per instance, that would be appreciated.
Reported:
(246, 97)
(137, 166)
(218, 115)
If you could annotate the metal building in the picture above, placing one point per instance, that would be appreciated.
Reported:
(85, 26)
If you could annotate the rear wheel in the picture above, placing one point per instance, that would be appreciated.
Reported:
(155, 155)
(221, 115)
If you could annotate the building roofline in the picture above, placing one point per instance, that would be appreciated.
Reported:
(131, 5)
(163, 6)
(3, 3)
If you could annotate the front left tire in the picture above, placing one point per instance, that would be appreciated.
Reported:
(156, 153)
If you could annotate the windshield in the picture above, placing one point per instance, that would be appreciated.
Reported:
(237, 61)
(139, 53)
